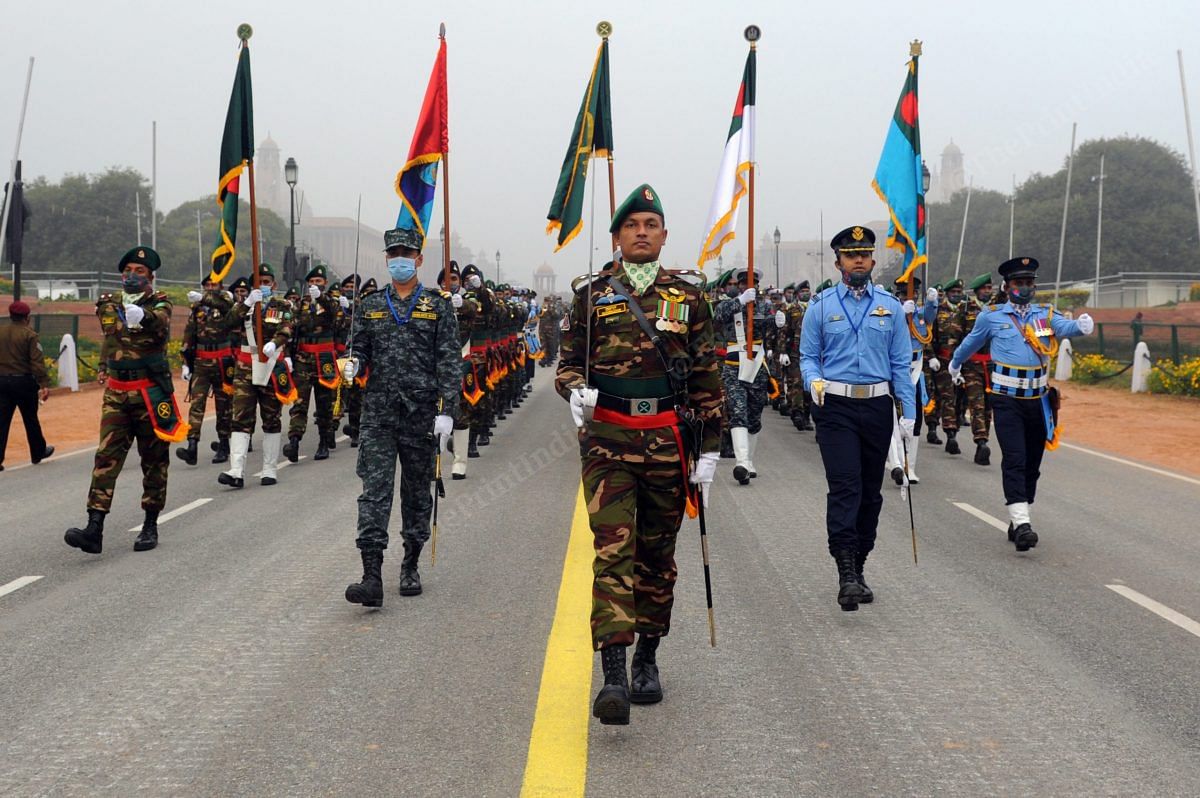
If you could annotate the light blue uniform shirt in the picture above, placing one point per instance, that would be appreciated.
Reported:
(921, 321)
(858, 341)
(1002, 325)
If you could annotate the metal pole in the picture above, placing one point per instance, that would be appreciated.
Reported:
(1062, 236)
(1012, 216)
(962, 234)
(199, 247)
(776, 264)
(1187, 118)
(12, 170)
(821, 243)
(137, 212)
(154, 184)
(290, 276)
(1099, 223)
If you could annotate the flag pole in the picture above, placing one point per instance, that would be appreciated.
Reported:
(752, 34)
(244, 33)
(445, 195)
(914, 52)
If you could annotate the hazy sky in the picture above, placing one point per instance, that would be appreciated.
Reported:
(338, 86)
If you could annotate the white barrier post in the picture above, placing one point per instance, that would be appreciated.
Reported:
(1141, 367)
(1062, 371)
(68, 372)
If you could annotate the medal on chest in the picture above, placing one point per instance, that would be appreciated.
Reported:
(672, 311)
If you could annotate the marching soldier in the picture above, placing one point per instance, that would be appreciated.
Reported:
(351, 392)
(406, 337)
(745, 378)
(975, 370)
(789, 358)
(1023, 338)
(273, 387)
(919, 323)
(477, 379)
(318, 323)
(139, 399)
(944, 327)
(466, 308)
(854, 353)
(636, 449)
(205, 351)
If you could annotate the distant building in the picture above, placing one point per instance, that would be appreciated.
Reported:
(810, 259)
(332, 239)
(270, 188)
(950, 178)
(544, 279)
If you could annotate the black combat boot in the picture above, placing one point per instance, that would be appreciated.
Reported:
(90, 539)
(322, 446)
(850, 592)
(291, 449)
(868, 596)
(222, 450)
(932, 437)
(644, 686)
(148, 537)
(485, 438)
(612, 702)
(410, 578)
(330, 438)
(983, 455)
(1023, 536)
(188, 454)
(951, 443)
(368, 592)
(473, 444)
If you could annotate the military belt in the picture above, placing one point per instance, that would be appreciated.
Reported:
(850, 391)
(631, 387)
(214, 353)
(638, 407)
(1019, 382)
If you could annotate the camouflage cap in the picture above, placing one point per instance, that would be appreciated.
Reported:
(641, 199)
(143, 255)
(403, 237)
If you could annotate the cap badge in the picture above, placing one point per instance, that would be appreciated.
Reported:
(141, 253)
(648, 195)
(857, 234)
(1024, 261)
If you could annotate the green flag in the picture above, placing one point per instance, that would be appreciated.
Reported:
(237, 150)
(592, 136)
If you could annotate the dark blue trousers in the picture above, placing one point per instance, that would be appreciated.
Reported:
(854, 435)
(1021, 432)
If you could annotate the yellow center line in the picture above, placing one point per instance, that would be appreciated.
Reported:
(558, 745)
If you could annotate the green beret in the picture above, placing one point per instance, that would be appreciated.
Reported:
(827, 284)
(370, 285)
(955, 283)
(266, 270)
(490, 284)
(981, 281)
(803, 285)
(240, 282)
(790, 287)
(642, 199)
(317, 271)
(403, 237)
(143, 255)
(723, 280)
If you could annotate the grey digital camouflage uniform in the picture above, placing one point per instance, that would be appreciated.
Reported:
(412, 351)
(744, 402)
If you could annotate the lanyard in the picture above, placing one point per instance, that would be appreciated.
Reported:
(412, 304)
(861, 319)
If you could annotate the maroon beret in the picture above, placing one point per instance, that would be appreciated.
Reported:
(18, 308)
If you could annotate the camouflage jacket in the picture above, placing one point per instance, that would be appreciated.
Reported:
(964, 321)
(146, 341)
(480, 329)
(946, 330)
(318, 320)
(470, 310)
(623, 358)
(208, 324)
(277, 321)
(727, 311)
(411, 346)
(790, 335)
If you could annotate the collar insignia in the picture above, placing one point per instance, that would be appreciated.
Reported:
(881, 311)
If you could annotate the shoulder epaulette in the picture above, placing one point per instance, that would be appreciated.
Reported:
(693, 277)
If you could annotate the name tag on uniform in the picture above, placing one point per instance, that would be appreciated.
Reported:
(375, 314)
(417, 314)
(836, 317)
(614, 309)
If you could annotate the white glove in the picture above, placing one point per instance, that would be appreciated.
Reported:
(955, 373)
(314, 292)
(931, 295)
(1086, 325)
(910, 307)
(706, 469)
(818, 397)
(194, 296)
(780, 319)
(770, 354)
(935, 365)
(473, 281)
(785, 359)
(288, 360)
(252, 298)
(456, 300)
(747, 296)
(134, 315)
(269, 349)
(186, 373)
(907, 425)
(443, 428)
(350, 369)
(580, 399)
(344, 302)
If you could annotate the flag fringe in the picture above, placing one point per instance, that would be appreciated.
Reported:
(420, 160)
(586, 131)
(893, 241)
(227, 246)
(708, 251)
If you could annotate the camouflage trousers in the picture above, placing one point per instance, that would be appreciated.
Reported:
(206, 379)
(975, 388)
(931, 385)
(744, 402)
(635, 511)
(247, 396)
(797, 397)
(305, 377)
(383, 442)
(124, 417)
(351, 409)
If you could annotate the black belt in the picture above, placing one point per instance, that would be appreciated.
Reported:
(16, 377)
(635, 407)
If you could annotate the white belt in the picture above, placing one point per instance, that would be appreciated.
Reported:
(1020, 382)
(869, 391)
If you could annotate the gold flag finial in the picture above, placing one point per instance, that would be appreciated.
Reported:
(914, 48)
(604, 29)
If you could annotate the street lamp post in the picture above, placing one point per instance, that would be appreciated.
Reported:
(925, 193)
(291, 174)
(497, 267)
(1098, 179)
(1012, 216)
(777, 237)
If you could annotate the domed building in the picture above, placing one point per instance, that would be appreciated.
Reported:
(544, 279)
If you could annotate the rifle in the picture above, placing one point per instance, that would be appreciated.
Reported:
(907, 490)
(341, 361)
(438, 492)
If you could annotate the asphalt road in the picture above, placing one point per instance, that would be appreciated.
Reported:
(227, 662)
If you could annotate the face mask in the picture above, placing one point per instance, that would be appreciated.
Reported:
(954, 300)
(857, 279)
(266, 292)
(1022, 295)
(804, 297)
(402, 269)
(134, 283)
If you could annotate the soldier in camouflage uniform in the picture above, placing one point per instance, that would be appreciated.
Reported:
(744, 401)
(635, 469)
(550, 318)
(139, 401)
(974, 372)
(205, 350)
(352, 394)
(268, 398)
(406, 336)
(466, 309)
(941, 387)
(798, 399)
(318, 324)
